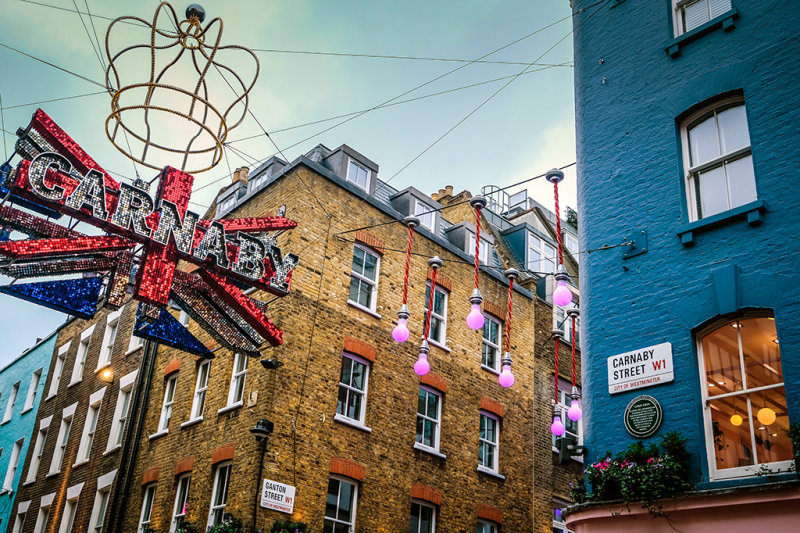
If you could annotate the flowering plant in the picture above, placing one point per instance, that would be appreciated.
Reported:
(288, 527)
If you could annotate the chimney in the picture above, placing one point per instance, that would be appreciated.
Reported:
(240, 175)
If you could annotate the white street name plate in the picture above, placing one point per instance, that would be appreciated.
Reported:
(277, 496)
(640, 368)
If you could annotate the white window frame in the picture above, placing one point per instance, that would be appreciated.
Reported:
(135, 342)
(426, 215)
(484, 251)
(148, 501)
(571, 243)
(546, 264)
(237, 373)
(58, 370)
(678, 7)
(38, 450)
(181, 501)
(742, 471)
(12, 401)
(90, 426)
(564, 323)
(44, 513)
(436, 422)
(488, 526)
(343, 417)
(33, 389)
(121, 411)
(109, 339)
(352, 523)
(354, 179)
(421, 504)
(200, 397)
(691, 172)
(373, 300)
(60, 449)
(170, 384)
(434, 315)
(70, 509)
(220, 469)
(13, 465)
(564, 401)
(22, 512)
(493, 468)
(80, 355)
(498, 347)
(97, 521)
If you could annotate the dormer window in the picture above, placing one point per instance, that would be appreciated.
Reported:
(227, 204)
(541, 255)
(483, 252)
(358, 174)
(426, 215)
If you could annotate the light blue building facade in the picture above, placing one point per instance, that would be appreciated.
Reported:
(21, 389)
(688, 147)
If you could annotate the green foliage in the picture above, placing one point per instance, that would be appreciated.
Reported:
(288, 527)
(794, 434)
(188, 527)
(229, 524)
(572, 217)
(639, 474)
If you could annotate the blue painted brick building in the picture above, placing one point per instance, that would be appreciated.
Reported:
(21, 389)
(688, 145)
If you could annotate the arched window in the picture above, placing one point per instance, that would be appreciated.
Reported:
(744, 399)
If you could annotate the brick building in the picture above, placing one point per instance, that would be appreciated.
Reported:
(342, 394)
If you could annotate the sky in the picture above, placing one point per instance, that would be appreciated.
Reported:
(312, 66)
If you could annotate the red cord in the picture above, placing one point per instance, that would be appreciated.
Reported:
(508, 314)
(408, 263)
(574, 381)
(430, 303)
(477, 242)
(558, 226)
(555, 375)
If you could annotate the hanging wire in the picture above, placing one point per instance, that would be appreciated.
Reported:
(408, 262)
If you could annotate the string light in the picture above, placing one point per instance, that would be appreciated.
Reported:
(557, 427)
(506, 378)
(422, 366)
(574, 412)
(562, 296)
(400, 332)
(475, 318)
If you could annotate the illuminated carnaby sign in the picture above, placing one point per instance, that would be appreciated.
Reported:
(57, 174)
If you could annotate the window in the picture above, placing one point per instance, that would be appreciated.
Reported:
(38, 450)
(63, 438)
(571, 242)
(19, 523)
(353, 388)
(340, 506)
(572, 428)
(13, 464)
(717, 159)
(99, 511)
(484, 251)
(135, 342)
(58, 370)
(166, 405)
(181, 502)
(44, 514)
(110, 336)
(429, 407)
(12, 401)
(541, 255)
(120, 420)
(80, 355)
(427, 216)
(90, 426)
(438, 329)
(364, 278)
(199, 401)
(219, 497)
(689, 14)
(238, 376)
(490, 346)
(564, 323)
(744, 398)
(147, 508)
(68, 518)
(423, 518)
(358, 174)
(32, 390)
(559, 526)
(489, 442)
(486, 527)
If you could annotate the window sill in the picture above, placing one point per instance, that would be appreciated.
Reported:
(5, 491)
(29, 483)
(751, 211)
(724, 21)
(492, 473)
(576, 458)
(6, 421)
(426, 449)
(158, 434)
(26, 410)
(490, 370)
(134, 350)
(50, 397)
(112, 450)
(102, 367)
(80, 463)
(52, 474)
(230, 407)
(352, 423)
(439, 345)
(72, 384)
(191, 422)
(367, 310)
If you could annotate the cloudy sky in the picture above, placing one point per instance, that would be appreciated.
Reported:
(314, 65)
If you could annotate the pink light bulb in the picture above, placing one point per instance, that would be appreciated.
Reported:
(506, 378)
(562, 296)
(422, 366)
(557, 427)
(574, 412)
(400, 332)
(475, 318)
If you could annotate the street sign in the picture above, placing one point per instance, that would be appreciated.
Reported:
(640, 368)
(277, 496)
(643, 417)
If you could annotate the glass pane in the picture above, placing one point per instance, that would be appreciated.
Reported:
(433, 409)
(489, 356)
(713, 192)
(345, 501)
(771, 420)
(359, 370)
(426, 519)
(347, 364)
(483, 427)
(762, 354)
(703, 145)
(438, 303)
(533, 259)
(370, 266)
(342, 401)
(421, 401)
(427, 433)
(333, 498)
(358, 260)
(414, 527)
(354, 406)
(741, 181)
(733, 129)
(718, 7)
(731, 432)
(420, 428)
(695, 15)
(490, 431)
(355, 285)
(488, 456)
(721, 358)
(436, 329)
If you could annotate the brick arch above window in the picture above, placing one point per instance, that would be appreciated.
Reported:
(223, 453)
(489, 512)
(426, 493)
(493, 406)
(185, 465)
(347, 468)
(150, 476)
(435, 381)
(376, 243)
(172, 366)
(358, 347)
